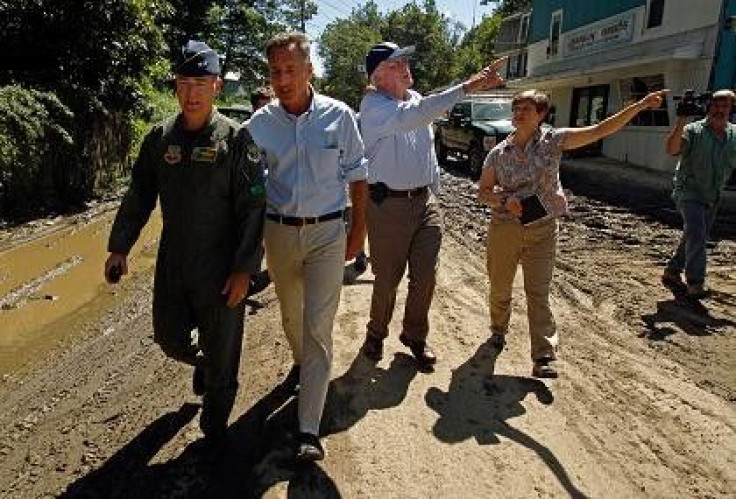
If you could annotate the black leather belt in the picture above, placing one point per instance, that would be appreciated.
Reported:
(408, 193)
(300, 221)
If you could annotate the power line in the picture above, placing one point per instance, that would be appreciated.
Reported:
(350, 5)
(333, 7)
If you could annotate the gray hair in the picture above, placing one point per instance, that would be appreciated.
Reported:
(286, 40)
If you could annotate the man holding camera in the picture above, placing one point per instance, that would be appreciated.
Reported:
(707, 150)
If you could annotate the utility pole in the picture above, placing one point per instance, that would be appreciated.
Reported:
(473, 27)
(302, 15)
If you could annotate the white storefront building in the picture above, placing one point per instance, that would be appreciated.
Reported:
(591, 69)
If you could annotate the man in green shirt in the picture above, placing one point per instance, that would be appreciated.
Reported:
(207, 176)
(707, 150)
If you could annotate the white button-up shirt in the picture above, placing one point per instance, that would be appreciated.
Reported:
(399, 143)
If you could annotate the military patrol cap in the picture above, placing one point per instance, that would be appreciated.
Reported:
(197, 59)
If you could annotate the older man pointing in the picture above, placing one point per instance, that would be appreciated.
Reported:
(403, 217)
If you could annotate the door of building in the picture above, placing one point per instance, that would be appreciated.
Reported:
(589, 106)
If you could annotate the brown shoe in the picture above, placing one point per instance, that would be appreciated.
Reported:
(421, 351)
(373, 348)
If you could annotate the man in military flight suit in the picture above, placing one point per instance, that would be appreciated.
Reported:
(207, 175)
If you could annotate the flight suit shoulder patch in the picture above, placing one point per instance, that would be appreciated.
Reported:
(172, 155)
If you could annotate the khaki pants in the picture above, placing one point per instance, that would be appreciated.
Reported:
(306, 265)
(401, 232)
(508, 244)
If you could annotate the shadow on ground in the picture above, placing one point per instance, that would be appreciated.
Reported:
(260, 449)
(479, 403)
(693, 318)
(365, 387)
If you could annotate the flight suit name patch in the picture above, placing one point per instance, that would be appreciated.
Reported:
(204, 154)
(173, 155)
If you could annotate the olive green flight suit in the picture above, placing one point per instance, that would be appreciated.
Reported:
(210, 187)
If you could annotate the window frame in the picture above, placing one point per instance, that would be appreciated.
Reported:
(557, 51)
(650, 10)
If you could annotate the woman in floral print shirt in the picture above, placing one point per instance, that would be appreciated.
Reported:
(521, 185)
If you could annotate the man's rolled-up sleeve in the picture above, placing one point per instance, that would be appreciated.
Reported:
(353, 165)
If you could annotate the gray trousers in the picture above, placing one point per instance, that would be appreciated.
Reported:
(403, 232)
(306, 265)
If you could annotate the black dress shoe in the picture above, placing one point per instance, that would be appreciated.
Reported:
(373, 348)
(198, 380)
(543, 368)
(361, 263)
(421, 351)
(309, 448)
(291, 381)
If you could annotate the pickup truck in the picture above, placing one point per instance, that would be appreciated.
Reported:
(473, 127)
(238, 112)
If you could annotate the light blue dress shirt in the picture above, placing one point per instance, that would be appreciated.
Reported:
(399, 143)
(310, 157)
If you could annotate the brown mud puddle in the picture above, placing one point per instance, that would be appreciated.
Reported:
(44, 280)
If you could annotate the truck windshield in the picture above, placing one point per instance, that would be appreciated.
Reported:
(496, 110)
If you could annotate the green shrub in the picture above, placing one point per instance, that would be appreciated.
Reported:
(35, 147)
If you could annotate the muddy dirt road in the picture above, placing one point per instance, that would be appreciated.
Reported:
(645, 406)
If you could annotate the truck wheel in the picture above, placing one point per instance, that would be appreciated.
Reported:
(476, 156)
(440, 149)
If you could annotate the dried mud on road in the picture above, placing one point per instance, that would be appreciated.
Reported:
(645, 406)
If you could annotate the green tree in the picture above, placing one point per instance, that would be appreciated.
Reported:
(96, 58)
(432, 34)
(343, 46)
(295, 13)
(477, 48)
(508, 7)
(345, 42)
(237, 29)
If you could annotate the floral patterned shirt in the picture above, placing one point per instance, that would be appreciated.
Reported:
(533, 170)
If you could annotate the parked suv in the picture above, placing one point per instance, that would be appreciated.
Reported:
(474, 126)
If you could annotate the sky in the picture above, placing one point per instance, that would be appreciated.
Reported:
(329, 10)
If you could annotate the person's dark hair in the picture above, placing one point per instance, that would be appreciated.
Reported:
(287, 39)
(539, 99)
(259, 94)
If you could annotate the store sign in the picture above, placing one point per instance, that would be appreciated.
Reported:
(600, 35)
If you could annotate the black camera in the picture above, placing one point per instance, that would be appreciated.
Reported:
(692, 104)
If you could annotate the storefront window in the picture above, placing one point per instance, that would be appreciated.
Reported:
(633, 89)
(656, 12)
(555, 27)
